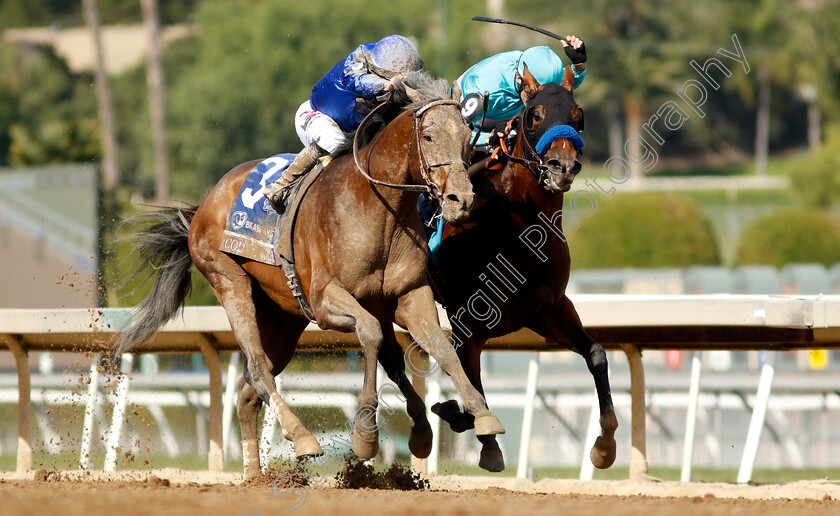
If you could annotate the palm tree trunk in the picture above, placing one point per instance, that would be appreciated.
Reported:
(494, 36)
(762, 122)
(616, 143)
(110, 170)
(157, 99)
(110, 176)
(814, 135)
(634, 126)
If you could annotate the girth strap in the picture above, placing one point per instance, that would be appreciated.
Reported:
(293, 280)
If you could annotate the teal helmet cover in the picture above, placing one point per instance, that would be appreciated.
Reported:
(545, 65)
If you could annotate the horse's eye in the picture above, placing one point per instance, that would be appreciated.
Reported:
(427, 137)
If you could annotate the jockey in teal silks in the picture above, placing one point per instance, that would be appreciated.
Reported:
(501, 76)
(340, 101)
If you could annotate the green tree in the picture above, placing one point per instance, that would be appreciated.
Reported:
(40, 13)
(237, 100)
(47, 113)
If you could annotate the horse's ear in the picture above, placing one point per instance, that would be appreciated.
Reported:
(457, 93)
(568, 79)
(530, 86)
(413, 94)
(577, 118)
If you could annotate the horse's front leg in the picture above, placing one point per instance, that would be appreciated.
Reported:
(416, 311)
(562, 325)
(393, 361)
(335, 308)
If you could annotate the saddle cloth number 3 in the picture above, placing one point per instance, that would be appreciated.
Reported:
(250, 197)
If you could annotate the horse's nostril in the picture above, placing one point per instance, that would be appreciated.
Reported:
(451, 197)
(554, 164)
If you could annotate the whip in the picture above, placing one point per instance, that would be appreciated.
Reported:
(531, 27)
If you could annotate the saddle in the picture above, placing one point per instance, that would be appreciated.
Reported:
(254, 230)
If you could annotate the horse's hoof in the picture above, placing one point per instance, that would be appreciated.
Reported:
(488, 425)
(602, 453)
(307, 446)
(251, 458)
(458, 421)
(252, 472)
(492, 460)
(420, 441)
(446, 410)
(364, 449)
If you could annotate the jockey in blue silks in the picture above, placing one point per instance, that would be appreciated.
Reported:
(340, 101)
(501, 76)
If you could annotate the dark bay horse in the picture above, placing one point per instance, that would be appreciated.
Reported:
(492, 262)
(361, 258)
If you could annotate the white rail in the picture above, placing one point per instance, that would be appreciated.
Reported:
(629, 323)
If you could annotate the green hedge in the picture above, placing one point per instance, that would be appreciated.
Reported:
(643, 230)
(791, 235)
(814, 178)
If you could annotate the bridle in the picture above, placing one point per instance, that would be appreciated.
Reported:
(425, 167)
(531, 160)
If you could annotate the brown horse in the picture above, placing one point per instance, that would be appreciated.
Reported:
(507, 261)
(361, 259)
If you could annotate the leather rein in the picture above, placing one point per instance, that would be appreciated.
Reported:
(535, 166)
(425, 167)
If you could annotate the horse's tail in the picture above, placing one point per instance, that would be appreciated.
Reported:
(161, 246)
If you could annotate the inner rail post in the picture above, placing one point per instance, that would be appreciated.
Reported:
(24, 451)
(216, 454)
(638, 457)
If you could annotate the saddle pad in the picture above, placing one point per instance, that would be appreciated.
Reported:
(253, 227)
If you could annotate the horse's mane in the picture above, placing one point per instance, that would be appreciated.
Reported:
(430, 87)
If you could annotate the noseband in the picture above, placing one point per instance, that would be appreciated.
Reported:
(533, 160)
(425, 167)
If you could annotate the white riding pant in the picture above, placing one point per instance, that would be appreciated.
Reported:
(315, 127)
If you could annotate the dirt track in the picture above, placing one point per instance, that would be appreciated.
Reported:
(136, 497)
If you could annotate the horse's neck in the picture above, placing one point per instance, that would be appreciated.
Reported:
(387, 162)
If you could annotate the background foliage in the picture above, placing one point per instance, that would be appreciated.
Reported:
(232, 91)
(644, 230)
(791, 235)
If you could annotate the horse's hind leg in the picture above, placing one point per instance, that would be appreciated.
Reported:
(276, 328)
(563, 326)
(416, 311)
(247, 408)
(234, 289)
(392, 359)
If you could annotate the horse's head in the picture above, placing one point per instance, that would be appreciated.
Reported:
(433, 142)
(550, 124)
(442, 139)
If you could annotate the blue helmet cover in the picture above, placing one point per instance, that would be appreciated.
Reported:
(397, 54)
